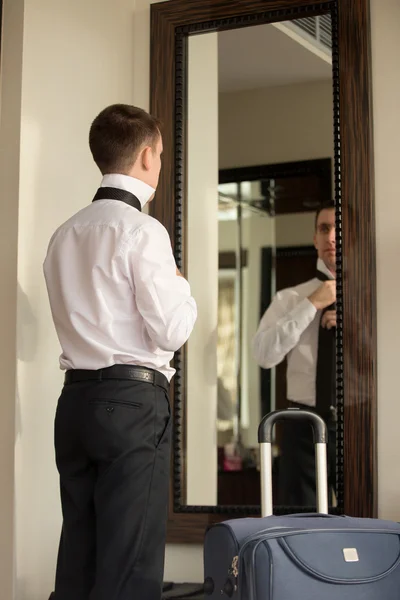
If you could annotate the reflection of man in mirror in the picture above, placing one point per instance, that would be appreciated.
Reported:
(300, 324)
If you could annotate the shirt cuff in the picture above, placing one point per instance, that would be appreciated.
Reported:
(304, 313)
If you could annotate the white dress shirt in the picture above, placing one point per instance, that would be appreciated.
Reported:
(289, 328)
(113, 289)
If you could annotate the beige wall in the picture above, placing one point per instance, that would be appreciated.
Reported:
(386, 94)
(79, 56)
(9, 191)
(202, 153)
(276, 125)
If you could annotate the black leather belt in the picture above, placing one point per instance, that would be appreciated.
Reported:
(118, 372)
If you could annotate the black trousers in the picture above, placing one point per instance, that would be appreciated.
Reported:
(112, 442)
(297, 476)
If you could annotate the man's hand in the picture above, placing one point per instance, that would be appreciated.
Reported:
(324, 295)
(329, 319)
(179, 274)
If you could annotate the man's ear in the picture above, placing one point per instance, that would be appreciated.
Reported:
(146, 158)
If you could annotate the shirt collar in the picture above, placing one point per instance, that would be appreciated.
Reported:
(321, 266)
(138, 188)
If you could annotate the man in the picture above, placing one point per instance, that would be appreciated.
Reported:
(121, 309)
(300, 324)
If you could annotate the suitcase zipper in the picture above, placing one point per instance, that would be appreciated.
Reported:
(234, 570)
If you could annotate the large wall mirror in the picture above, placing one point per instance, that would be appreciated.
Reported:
(266, 191)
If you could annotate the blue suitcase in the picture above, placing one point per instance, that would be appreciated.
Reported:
(301, 557)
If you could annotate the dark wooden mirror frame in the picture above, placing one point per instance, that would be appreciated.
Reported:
(171, 24)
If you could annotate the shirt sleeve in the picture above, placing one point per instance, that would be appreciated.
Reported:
(280, 328)
(163, 298)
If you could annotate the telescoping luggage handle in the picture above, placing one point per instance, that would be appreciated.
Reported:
(265, 430)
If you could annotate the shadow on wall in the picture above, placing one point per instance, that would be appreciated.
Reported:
(27, 333)
(27, 338)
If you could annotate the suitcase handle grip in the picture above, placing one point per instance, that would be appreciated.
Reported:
(267, 424)
(265, 430)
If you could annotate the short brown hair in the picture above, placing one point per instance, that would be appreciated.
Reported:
(329, 205)
(118, 133)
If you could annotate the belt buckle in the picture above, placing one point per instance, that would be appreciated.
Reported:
(143, 375)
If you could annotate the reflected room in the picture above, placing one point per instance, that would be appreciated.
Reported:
(260, 221)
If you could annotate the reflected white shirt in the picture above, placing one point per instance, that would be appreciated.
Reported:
(289, 328)
(113, 289)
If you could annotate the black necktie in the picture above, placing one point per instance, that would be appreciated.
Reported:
(111, 193)
(326, 364)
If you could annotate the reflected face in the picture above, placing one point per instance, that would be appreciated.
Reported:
(325, 238)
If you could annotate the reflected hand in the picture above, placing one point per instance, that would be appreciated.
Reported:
(325, 295)
(329, 319)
